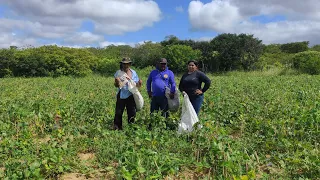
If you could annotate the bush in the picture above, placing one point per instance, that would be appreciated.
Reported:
(46, 61)
(144, 72)
(307, 62)
(147, 54)
(107, 66)
(7, 62)
(179, 55)
(295, 47)
(5, 73)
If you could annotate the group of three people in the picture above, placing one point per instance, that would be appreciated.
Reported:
(158, 80)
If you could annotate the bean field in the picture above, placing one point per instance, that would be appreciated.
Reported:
(253, 127)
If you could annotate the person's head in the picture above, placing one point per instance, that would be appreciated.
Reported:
(125, 63)
(192, 65)
(162, 64)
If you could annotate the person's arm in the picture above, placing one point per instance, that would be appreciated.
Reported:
(136, 79)
(116, 80)
(206, 80)
(172, 83)
(149, 84)
(180, 84)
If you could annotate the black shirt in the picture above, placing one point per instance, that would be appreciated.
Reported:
(191, 82)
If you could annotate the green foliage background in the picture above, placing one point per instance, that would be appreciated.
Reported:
(307, 62)
(225, 52)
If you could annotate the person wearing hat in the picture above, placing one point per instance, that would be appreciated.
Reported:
(158, 80)
(124, 96)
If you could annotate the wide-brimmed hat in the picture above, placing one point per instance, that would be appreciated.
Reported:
(126, 60)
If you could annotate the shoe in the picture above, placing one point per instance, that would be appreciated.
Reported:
(116, 127)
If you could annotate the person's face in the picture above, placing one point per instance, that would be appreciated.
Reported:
(163, 66)
(192, 67)
(126, 66)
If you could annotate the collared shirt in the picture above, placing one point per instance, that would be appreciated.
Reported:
(124, 92)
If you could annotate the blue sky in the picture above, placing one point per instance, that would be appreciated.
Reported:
(78, 23)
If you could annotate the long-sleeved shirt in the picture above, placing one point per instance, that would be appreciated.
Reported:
(191, 82)
(159, 80)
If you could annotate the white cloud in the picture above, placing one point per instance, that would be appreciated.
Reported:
(203, 39)
(108, 43)
(217, 15)
(83, 38)
(34, 29)
(294, 9)
(132, 44)
(60, 19)
(7, 40)
(285, 31)
(179, 9)
(234, 16)
(111, 17)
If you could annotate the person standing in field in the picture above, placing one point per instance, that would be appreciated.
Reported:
(158, 80)
(124, 96)
(191, 83)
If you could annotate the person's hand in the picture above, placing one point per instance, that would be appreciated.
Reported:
(150, 94)
(117, 82)
(139, 84)
(198, 92)
(184, 93)
(171, 95)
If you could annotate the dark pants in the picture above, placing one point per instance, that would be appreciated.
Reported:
(196, 102)
(130, 105)
(159, 103)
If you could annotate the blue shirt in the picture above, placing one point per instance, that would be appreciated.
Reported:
(124, 92)
(159, 80)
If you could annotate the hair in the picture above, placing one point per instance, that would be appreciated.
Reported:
(121, 66)
(194, 61)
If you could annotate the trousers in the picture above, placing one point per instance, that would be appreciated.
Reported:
(121, 104)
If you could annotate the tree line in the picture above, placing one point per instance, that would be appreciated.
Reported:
(225, 52)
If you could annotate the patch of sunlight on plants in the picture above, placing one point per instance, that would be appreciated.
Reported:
(276, 71)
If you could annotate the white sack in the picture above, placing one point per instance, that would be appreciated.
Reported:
(138, 99)
(188, 116)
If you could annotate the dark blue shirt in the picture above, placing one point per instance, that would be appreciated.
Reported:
(159, 80)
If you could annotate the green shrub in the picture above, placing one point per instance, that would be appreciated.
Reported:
(107, 66)
(307, 62)
(46, 61)
(6, 62)
(295, 47)
(147, 54)
(5, 73)
(179, 55)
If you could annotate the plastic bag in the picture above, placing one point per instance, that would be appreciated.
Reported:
(174, 103)
(123, 78)
(138, 99)
(188, 116)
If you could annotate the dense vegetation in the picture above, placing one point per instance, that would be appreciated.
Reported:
(255, 126)
(260, 119)
(226, 52)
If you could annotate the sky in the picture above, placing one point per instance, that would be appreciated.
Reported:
(99, 23)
